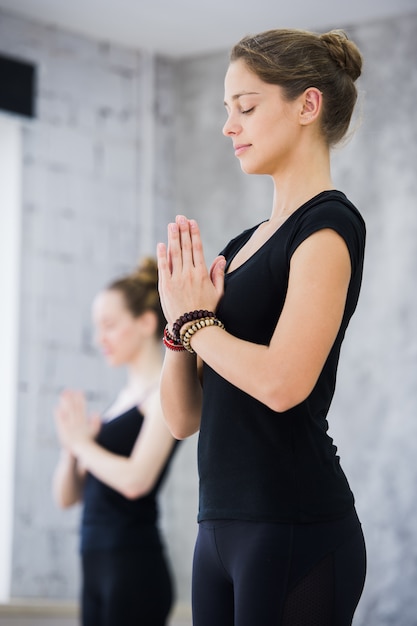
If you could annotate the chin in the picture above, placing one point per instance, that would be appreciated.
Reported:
(112, 360)
(247, 168)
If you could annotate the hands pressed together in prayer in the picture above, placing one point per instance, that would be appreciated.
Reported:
(73, 425)
(185, 283)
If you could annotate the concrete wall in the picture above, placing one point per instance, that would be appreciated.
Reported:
(86, 193)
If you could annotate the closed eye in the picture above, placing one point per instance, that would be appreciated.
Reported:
(247, 111)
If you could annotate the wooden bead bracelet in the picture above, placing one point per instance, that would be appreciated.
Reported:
(189, 329)
(188, 317)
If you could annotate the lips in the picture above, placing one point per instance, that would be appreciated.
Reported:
(241, 148)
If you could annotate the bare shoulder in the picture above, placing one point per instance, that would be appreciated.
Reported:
(151, 406)
(154, 421)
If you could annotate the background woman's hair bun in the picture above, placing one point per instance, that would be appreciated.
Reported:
(140, 290)
(146, 272)
(344, 52)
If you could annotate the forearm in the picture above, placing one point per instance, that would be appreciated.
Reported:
(243, 364)
(67, 483)
(181, 394)
(114, 470)
(271, 378)
(283, 373)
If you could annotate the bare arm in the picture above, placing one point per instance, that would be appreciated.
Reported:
(181, 393)
(68, 480)
(132, 476)
(282, 374)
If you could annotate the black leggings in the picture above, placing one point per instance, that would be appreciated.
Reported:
(125, 588)
(251, 574)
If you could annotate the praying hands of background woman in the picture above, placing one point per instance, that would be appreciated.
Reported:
(185, 283)
(72, 422)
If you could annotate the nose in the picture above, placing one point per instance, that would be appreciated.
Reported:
(231, 127)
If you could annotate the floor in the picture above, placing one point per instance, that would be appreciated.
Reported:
(13, 615)
(59, 621)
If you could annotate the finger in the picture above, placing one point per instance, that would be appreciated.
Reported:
(61, 406)
(164, 255)
(174, 248)
(161, 257)
(185, 240)
(61, 420)
(66, 397)
(69, 401)
(163, 267)
(197, 247)
(164, 274)
(79, 405)
(80, 401)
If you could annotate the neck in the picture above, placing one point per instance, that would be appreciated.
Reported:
(307, 175)
(145, 368)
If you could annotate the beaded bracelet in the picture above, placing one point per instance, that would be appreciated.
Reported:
(171, 343)
(188, 317)
(189, 329)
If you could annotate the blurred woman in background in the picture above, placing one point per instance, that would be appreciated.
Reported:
(115, 464)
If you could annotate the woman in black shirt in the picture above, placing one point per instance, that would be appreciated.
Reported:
(114, 464)
(279, 539)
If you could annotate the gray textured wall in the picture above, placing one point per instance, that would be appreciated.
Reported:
(376, 407)
(82, 217)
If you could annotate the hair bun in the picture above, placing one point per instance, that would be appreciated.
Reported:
(344, 52)
(146, 272)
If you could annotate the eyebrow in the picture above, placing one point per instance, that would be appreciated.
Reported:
(236, 96)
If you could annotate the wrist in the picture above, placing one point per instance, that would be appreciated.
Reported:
(189, 330)
(171, 342)
(186, 318)
(185, 327)
(68, 456)
(80, 448)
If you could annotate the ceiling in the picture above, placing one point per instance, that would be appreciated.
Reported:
(187, 27)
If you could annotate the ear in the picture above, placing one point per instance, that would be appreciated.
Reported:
(148, 322)
(311, 101)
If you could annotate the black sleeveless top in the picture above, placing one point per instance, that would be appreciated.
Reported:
(110, 520)
(254, 463)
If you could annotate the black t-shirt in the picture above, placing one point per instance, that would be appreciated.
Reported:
(254, 463)
(109, 519)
